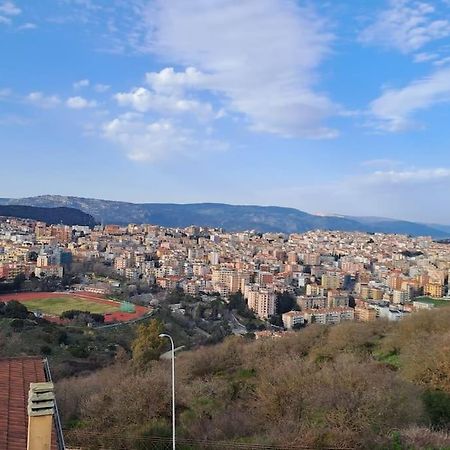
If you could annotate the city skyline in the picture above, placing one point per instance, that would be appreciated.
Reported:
(327, 108)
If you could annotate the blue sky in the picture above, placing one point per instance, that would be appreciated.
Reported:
(328, 106)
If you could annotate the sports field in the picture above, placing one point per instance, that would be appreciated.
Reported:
(437, 302)
(55, 306)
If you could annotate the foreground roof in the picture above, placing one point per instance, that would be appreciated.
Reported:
(16, 374)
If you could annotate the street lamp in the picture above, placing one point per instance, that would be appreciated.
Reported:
(173, 386)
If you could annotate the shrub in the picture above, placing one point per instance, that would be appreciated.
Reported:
(17, 324)
(45, 350)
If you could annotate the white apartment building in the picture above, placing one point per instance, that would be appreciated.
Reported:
(329, 316)
(292, 318)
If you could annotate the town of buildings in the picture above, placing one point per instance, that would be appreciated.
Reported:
(334, 276)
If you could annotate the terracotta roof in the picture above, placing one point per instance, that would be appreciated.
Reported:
(16, 374)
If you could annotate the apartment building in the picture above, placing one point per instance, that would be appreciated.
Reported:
(329, 316)
(434, 290)
(292, 319)
(365, 314)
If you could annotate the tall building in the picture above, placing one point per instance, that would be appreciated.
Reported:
(363, 314)
(331, 281)
(260, 300)
(434, 290)
(400, 297)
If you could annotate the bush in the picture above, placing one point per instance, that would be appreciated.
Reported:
(437, 404)
(17, 324)
(321, 387)
(79, 351)
(46, 350)
(14, 310)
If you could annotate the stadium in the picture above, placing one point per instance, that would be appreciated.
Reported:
(52, 304)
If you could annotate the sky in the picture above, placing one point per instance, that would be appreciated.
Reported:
(331, 107)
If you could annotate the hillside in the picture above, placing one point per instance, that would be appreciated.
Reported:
(372, 385)
(230, 217)
(49, 215)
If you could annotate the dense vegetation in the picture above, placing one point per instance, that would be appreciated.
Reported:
(70, 349)
(51, 216)
(355, 385)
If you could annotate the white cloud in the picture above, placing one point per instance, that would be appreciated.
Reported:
(442, 61)
(259, 57)
(149, 141)
(400, 193)
(80, 103)
(407, 26)
(27, 26)
(143, 100)
(425, 57)
(410, 176)
(394, 109)
(9, 9)
(43, 101)
(5, 20)
(81, 84)
(101, 87)
(169, 81)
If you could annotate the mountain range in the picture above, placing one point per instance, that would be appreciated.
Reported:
(229, 217)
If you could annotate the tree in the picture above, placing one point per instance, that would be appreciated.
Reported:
(18, 281)
(15, 310)
(175, 296)
(285, 302)
(32, 256)
(237, 302)
(276, 320)
(148, 345)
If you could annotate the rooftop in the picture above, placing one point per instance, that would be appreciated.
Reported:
(16, 374)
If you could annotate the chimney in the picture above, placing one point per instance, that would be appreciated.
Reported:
(41, 406)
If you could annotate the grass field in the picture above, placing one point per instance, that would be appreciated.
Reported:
(55, 306)
(438, 303)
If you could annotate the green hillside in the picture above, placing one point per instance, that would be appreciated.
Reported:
(356, 385)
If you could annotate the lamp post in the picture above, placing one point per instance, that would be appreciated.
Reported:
(173, 387)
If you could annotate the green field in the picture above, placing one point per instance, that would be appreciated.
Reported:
(438, 303)
(57, 305)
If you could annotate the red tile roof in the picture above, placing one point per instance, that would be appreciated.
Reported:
(16, 374)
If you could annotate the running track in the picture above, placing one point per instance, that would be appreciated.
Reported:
(117, 316)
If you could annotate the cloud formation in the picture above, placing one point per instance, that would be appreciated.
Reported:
(410, 176)
(152, 141)
(260, 57)
(393, 111)
(43, 101)
(80, 103)
(407, 26)
(27, 26)
(169, 82)
(144, 100)
(101, 87)
(81, 84)
(8, 10)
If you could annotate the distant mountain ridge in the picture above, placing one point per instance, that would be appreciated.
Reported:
(230, 217)
(49, 215)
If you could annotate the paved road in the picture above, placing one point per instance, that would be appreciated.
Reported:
(236, 326)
